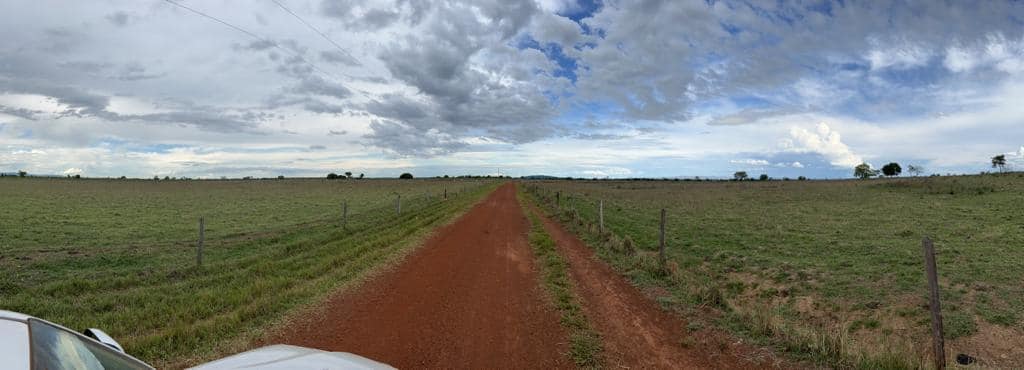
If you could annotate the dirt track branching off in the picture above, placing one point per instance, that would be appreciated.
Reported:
(584, 343)
(829, 271)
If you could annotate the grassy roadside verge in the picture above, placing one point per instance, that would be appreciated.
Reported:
(584, 343)
(169, 312)
(696, 294)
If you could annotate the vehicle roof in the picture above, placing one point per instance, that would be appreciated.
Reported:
(283, 356)
(11, 315)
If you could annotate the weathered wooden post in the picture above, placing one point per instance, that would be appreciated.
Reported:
(600, 215)
(199, 246)
(398, 204)
(938, 343)
(661, 237)
(445, 193)
(344, 215)
(558, 200)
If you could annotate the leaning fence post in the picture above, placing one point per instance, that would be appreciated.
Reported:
(344, 215)
(938, 343)
(600, 215)
(199, 246)
(661, 237)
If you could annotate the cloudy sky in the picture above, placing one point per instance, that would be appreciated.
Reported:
(572, 88)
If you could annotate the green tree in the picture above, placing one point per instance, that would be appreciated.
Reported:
(892, 169)
(864, 171)
(740, 175)
(22, 173)
(360, 176)
(999, 162)
(405, 175)
(332, 176)
(348, 174)
(763, 177)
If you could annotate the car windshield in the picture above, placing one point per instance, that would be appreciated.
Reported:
(56, 348)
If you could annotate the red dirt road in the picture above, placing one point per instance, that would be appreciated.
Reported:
(468, 298)
(636, 333)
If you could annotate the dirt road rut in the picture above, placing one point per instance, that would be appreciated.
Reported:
(468, 298)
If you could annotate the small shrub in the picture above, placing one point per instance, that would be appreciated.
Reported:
(628, 245)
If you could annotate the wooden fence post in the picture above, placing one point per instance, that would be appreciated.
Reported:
(938, 342)
(199, 246)
(600, 215)
(344, 215)
(661, 237)
(558, 200)
(398, 204)
(445, 193)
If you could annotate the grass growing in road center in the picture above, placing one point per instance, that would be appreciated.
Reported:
(584, 342)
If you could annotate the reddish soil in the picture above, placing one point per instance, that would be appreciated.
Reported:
(635, 331)
(468, 298)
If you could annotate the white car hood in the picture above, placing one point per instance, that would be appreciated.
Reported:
(282, 356)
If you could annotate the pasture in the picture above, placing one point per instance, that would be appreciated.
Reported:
(121, 254)
(830, 271)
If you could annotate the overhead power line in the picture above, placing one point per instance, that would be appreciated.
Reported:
(341, 49)
(253, 35)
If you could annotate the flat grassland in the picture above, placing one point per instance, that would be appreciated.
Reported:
(120, 254)
(831, 271)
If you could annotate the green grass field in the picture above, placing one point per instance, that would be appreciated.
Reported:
(831, 271)
(120, 255)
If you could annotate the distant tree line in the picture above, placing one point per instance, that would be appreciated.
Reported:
(346, 175)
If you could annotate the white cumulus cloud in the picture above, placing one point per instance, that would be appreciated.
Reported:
(73, 171)
(751, 162)
(824, 141)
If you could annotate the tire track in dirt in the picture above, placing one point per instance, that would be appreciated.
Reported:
(468, 298)
(635, 332)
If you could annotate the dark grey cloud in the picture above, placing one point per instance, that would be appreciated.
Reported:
(207, 120)
(436, 76)
(338, 57)
(94, 68)
(657, 59)
(316, 85)
(28, 114)
(135, 71)
(371, 16)
(319, 106)
(79, 102)
(118, 18)
(747, 116)
(456, 98)
(402, 140)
